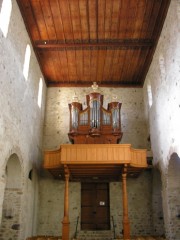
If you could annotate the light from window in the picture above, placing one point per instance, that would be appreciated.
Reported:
(5, 16)
(149, 92)
(40, 92)
(27, 61)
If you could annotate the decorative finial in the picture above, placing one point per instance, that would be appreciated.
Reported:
(114, 98)
(94, 86)
(75, 98)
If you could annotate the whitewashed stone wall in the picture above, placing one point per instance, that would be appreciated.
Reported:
(164, 115)
(52, 206)
(139, 205)
(57, 114)
(10, 228)
(21, 119)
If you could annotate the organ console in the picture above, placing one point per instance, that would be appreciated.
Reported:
(95, 124)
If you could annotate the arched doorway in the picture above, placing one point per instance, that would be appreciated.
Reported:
(174, 196)
(10, 227)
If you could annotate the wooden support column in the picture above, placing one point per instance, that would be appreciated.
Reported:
(126, 225)
(65, 222)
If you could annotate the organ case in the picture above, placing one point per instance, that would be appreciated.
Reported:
(95, 124)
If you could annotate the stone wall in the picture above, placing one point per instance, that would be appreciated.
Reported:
(52, 206)
(21, 118)
(163, 84)
(57, 114)
(139, 201)
(139, 204)
(10, 228)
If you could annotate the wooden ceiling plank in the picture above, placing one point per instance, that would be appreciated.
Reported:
(72, 11)
(47, 66)
(160, 20)
(71, 65)
(153, 18)
(103, 70)
(71, 20)
(116, 4)
(125, 65)
(86, 65)
(120, 64)
(140, 14)
(134, 64)
(92, 19)
(93, 64)
(58, 25)
(66, 20)
(147, 15)
(101, 18)
(108, 16)
(64, 64)
(100, 65)
(125, 14)
(48, 19)
(115, 65)
(28, 14)
(129, 66)
(83, 8)
(122, 61)
(75, 16)
(79, 64)
(63, 71)
(132, 19)
(141, 65)
(108, 65)
(57, 66)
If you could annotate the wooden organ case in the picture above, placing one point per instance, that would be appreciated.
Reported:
(95, 124)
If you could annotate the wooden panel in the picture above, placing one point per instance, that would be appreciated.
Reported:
(52, 159)
(95, 206)
(102, 153)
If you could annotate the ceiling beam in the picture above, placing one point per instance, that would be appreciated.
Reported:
(54, 45)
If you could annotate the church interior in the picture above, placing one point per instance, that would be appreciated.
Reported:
(89, 120)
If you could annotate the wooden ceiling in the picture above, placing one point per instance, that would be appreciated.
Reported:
(78, 42)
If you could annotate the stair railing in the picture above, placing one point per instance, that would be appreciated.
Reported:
(77, 221)
(113, 225)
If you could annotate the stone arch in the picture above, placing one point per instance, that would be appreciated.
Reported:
(10, 227)
(157, 204)
(173, 191)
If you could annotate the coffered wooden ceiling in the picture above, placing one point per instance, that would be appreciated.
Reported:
(78, 42)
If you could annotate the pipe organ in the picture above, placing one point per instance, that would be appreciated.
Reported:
(95, 124)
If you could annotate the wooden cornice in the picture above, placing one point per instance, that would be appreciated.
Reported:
(54, 45)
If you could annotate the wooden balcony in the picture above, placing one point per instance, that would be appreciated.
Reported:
(95, 161)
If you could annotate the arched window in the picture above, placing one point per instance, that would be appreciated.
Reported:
(27, 61)
(5, 16)
(40, 92)
(149, 92)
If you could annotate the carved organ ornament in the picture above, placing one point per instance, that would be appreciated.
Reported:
(95, 124)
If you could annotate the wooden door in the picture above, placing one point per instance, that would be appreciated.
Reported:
(95, 214)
